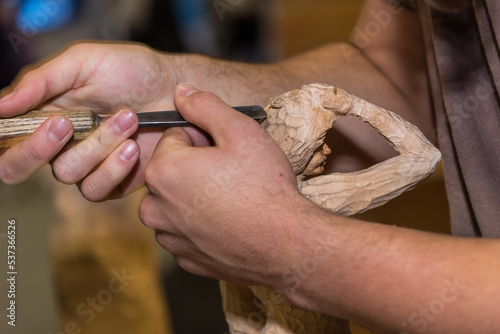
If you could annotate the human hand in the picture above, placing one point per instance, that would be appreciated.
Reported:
(224, 211)
(107, 79)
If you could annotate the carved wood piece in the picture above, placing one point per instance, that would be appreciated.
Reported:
(298, 122)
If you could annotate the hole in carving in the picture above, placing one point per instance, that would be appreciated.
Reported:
(355, 146)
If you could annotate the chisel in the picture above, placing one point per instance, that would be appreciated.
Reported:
(15, 129)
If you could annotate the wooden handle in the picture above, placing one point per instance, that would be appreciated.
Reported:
(15, 129)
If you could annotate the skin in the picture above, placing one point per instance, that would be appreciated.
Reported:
(232, 210)
(107, 78)
(353, 269)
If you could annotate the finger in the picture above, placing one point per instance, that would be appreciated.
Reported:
(74, 164)
(167, 158)
(104, 181)
(177, 244)
(199, 138)
(151, 214)
(211, 114)
(19, 162)
(172, 140)
(57, 76)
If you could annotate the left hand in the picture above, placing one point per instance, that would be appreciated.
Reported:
(113, 79)
(224, 211)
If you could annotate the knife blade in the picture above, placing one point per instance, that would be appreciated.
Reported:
(171, 118)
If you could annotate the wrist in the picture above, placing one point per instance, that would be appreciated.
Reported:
(173, 68)
(234, 82)
(185, 68)
(311, 247)
(175, 65)
(314, 257)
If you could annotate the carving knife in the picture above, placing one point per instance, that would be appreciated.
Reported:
(15, 129)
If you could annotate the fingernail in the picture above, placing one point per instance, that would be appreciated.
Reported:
(128, 152)
(7, 97)
(185, 90)
(124, 121)
(59, 129)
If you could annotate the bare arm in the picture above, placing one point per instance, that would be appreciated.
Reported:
(386, 68)
(392, 279)
(235, 214)
(105, 78)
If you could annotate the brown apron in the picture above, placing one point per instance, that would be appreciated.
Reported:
(464, 66)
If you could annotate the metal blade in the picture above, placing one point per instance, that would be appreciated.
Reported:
(173, 117)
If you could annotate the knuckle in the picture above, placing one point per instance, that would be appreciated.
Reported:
(186, 264)
(99, 185)
(204, 100)
(144, 215)
(61, 172)
(7, 175)
(78, 47)
(106, 176)
(84, 150)
(74, 164)
(92, 191)
(34, 153)
(151, 172)
(104, 139)
(159, 175)
(246, 128)
(91, 195)
(27, 74)
(98, 141)
(66, 171)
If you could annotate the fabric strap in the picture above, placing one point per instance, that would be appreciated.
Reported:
(463, 56)
(464, 68)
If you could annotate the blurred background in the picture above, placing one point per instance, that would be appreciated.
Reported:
(55, 226)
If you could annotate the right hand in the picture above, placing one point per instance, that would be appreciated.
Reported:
(107, 79)
(227, 210)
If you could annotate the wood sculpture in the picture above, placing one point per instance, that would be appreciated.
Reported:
(298, 121)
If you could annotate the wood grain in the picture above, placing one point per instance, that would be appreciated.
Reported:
(16, 129)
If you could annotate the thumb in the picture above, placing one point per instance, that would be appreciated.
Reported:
(38, 85)
(211, 114)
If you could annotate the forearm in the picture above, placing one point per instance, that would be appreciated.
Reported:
(393, 279)
(390, 72)
(338, 64)
(235, 82)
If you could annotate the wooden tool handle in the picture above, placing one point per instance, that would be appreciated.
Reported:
(15, 129)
